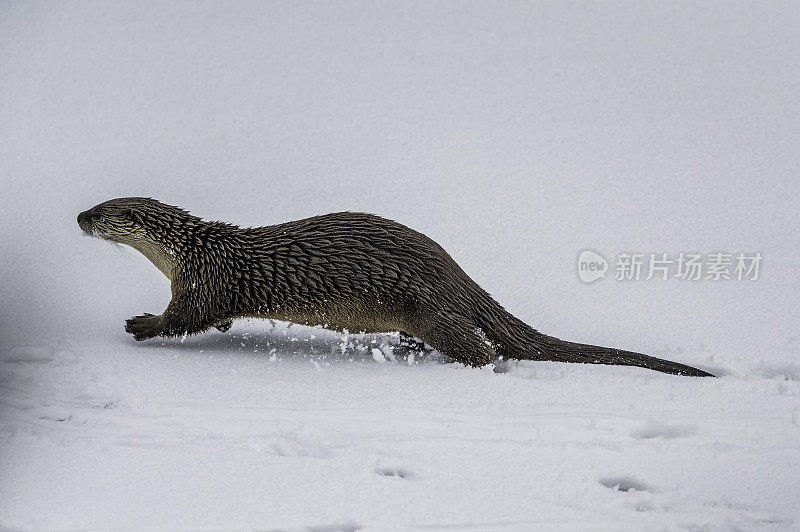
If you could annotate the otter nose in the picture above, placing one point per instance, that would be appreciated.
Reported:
(83, 218)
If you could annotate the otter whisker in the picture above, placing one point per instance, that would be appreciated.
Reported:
(124, 250)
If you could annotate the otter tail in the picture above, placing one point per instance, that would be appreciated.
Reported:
(513, 338)
(549, 348)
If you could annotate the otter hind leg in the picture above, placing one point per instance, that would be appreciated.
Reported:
(411, 343)
(461, 339)
(410, 346)
(224, 326)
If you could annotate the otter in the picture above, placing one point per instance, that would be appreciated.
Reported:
(345, 270)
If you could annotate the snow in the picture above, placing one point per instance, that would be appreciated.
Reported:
(515, 136)
(208, 433)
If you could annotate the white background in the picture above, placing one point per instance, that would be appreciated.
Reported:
(515, 135)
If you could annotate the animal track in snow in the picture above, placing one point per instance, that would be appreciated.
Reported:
(397, 472)
(625, 483)
(343, 527)
(663, 431)
(788, 372)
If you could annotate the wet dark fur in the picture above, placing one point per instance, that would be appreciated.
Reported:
(343, 271)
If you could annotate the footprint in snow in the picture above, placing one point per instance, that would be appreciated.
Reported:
(625, 483)
(396, 472)
(787, 372)
(345, 527)
(663, 431)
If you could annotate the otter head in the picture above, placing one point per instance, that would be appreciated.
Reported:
(147, 225)
(115, 220)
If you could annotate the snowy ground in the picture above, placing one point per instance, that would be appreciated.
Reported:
(281, 430)
(515, 134)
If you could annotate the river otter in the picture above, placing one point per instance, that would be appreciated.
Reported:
(343, 271)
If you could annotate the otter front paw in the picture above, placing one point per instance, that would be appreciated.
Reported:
(144, 326)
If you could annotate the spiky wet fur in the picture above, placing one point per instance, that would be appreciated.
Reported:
(343, 271)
